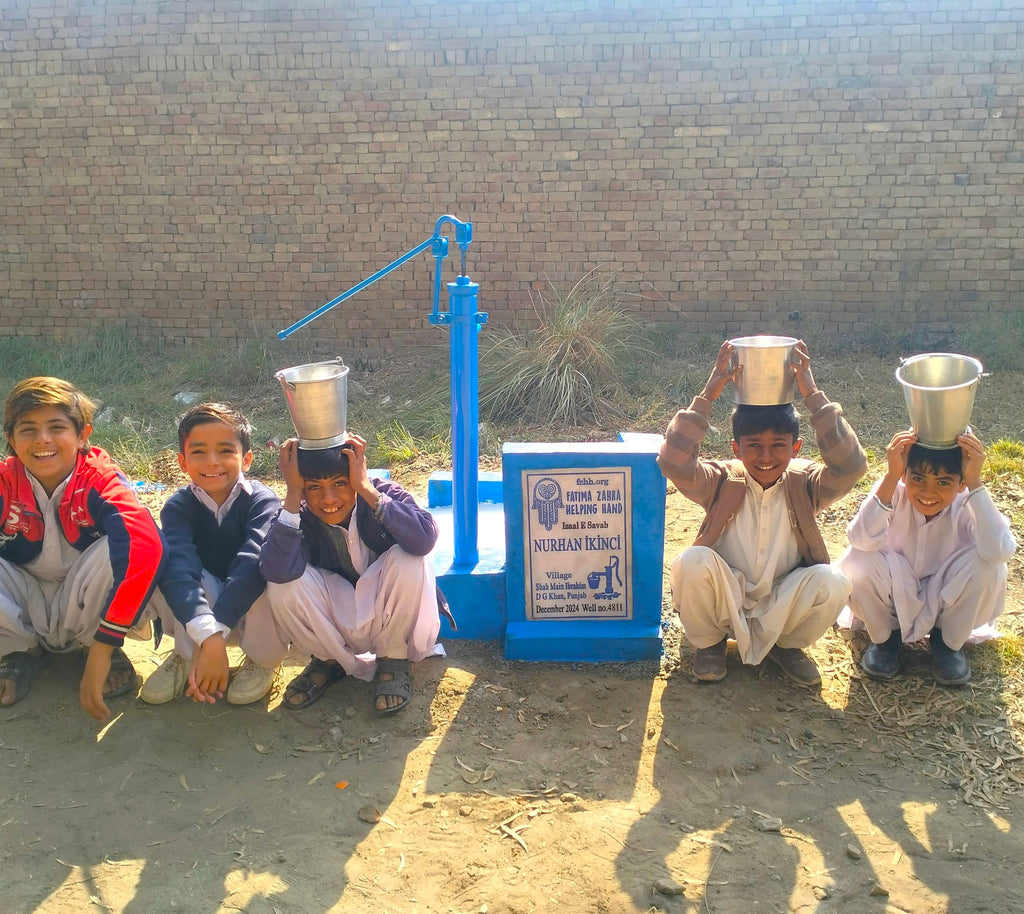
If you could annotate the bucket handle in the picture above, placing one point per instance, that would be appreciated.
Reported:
(983, 374)
(290, 385)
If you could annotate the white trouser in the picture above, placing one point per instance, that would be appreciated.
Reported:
(396, 595)
(709, 597)
(963, 598)
(58, 615)
(255, 632)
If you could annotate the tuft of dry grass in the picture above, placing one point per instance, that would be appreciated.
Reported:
(567, 365)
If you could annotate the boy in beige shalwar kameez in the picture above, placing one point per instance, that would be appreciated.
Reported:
(759, 571)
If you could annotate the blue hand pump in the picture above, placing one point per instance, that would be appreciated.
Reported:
(465, 322)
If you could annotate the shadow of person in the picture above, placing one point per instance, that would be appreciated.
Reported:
(191, 807)
(844, 801)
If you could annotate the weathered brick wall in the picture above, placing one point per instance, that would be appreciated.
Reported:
(208, 167)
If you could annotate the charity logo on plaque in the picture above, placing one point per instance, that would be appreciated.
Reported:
(577, 543)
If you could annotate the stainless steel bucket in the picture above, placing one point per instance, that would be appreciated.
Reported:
(317, 396)
(767, 377)
(939, 388)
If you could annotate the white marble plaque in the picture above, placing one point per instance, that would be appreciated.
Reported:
(578, 545)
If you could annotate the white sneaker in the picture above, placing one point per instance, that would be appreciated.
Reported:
(166, 682)
(251, 683)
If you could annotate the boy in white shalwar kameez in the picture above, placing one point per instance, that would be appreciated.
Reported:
(349, 575)
(928, 553)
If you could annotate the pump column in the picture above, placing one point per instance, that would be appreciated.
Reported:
(465, 323)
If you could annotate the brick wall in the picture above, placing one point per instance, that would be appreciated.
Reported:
(215, 168)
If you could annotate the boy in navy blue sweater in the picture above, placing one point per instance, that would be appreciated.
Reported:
(212, 588)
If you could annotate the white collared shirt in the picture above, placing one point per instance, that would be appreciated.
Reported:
(220, 511)
(760, 543)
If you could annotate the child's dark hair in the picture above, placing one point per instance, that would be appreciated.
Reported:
(949, 460)
(323, 463)
(202, 413)
(33, 393)
(752, 420)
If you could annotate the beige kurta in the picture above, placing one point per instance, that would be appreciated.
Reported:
(748, 586)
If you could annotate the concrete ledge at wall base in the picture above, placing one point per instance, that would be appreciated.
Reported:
(583, 641)
(439, 489)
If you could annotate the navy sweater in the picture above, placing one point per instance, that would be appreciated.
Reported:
(402, 522)
(230, 552)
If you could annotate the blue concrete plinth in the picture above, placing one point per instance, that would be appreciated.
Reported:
(591, 641)
(585, 534)
(477, 594)
(439, 488)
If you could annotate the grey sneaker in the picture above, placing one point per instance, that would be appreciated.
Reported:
(166, 682)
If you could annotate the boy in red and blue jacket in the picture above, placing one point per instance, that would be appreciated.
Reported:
(79, 556)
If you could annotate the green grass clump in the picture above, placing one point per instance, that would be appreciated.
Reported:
(1005, 458)
(568, 365)
(395, 443)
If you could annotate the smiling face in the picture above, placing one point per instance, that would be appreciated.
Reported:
(331, 499)
(766, 455)
(48, 444)
(214, 459)
(931, 492)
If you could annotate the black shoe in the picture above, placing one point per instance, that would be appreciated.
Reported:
(949, 667)
(882, 661)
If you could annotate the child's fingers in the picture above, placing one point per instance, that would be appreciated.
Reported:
(200, 696)
(92, 701)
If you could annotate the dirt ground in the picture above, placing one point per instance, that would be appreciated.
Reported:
(517, 787)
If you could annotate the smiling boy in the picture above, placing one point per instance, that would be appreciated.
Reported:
(79, 556)
(212, 590)
(759, 571)
(927, 557)
(349, 575)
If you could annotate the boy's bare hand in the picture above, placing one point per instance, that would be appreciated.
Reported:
(90, 690)
(358, 477)
(896, 453)
(974, 459)
(801, 365)
(897, 450)
(288, 461)
(723, 372)
(208, 677)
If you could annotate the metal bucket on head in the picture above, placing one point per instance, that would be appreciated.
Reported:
(766, 379)
(939, 388)
(317, 396)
